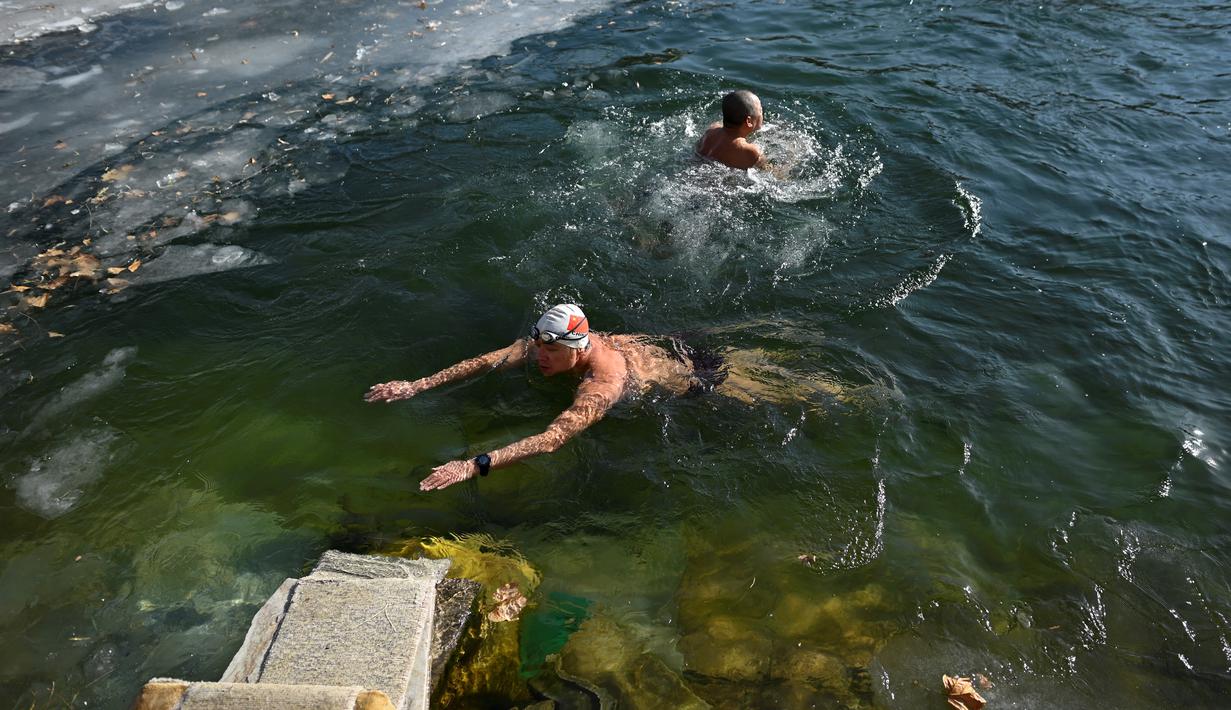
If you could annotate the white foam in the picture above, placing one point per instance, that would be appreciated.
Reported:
(56, 481)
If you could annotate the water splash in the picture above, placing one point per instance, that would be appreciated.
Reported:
(971, 208)
(913, 283)
(1094, 621)
(865, 548)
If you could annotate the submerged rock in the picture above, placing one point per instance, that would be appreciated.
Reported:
(609, 661)
(774, 635)
(728, 649)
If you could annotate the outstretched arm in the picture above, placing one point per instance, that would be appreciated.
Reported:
(782, 172)
(511, 356)
(593, 400)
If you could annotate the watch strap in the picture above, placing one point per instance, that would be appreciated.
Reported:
(484, 462)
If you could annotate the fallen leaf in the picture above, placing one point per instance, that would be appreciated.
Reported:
(87, 241)
(135, 265)
(117, 173)
(347, 100)
(962, 695)
(807, 559)
(509, 603)
(18, 289)
(50, 253)
(230, 217)
(86, 262)
(7, 329)
(54, 334)
(202, 94)
(54, 200)
(115, 286)
(38, 301)
(113, 270)
(60, 145)
(327, 97)
(101, 197)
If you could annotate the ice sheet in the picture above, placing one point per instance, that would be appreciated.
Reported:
(56, 482)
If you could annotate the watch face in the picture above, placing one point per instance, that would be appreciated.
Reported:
(483, 460)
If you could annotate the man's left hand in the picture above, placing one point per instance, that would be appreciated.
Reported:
(448, 474)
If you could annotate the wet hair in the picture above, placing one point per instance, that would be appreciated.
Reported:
(737, 106)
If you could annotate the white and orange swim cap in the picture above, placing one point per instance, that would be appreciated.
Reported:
(565, 324)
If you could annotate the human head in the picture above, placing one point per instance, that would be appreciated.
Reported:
(563, 335)
(741, 109)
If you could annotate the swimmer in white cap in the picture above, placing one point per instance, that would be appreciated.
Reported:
(610, 367)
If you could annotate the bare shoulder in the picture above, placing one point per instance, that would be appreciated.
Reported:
(710, 140)
(749, 154)
(622, 341)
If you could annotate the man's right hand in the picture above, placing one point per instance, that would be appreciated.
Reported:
(394, 391)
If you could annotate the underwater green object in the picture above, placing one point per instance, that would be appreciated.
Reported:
(545, 632)
(489, 656)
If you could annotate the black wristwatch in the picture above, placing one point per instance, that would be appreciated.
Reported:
(484, 462)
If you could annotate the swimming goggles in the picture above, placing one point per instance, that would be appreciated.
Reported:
(549, 337)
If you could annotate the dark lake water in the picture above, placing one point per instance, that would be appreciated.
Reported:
(988, 304)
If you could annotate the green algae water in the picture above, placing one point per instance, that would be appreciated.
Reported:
(1000, 245)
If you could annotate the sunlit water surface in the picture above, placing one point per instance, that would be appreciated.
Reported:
(987, 301)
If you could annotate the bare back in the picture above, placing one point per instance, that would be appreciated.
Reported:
(649, 365)
(728, 148)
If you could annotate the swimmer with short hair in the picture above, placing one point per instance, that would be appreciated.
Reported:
(727, 142)
(610, 367)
